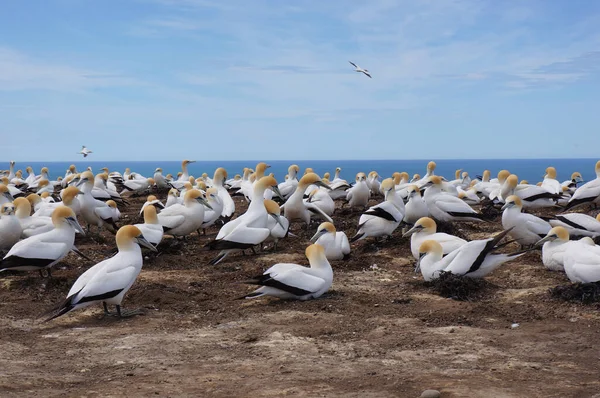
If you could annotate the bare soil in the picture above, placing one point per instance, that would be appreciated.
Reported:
(380, 331)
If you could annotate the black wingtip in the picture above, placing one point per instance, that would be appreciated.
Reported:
(356, 237)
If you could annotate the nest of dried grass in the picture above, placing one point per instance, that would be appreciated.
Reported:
(459, 287)
(586, 293)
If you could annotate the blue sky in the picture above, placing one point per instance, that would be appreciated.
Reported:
(270, 79)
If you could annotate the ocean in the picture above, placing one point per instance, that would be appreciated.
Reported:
(532, 170)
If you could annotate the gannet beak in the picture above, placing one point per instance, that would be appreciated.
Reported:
(143, 242)
(191, 161)
(411, 231)
(277, 218)
(8, 196)
(75, 224)
(507, 205)
(544, 240)
(322, 184)
(204, 202)
(81, 181)
(418, 265)
(317, 236)
(276, 191)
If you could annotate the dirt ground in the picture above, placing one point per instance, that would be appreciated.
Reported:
(380, 331)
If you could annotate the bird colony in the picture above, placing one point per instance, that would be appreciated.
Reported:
(42, 221)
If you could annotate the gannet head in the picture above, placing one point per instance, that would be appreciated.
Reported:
(69, 193)
(186, 162)
(174, 192)
(457, 173)
(539, 184)
(416, 177)
(151, 198)
(158, 170)
(464, 175)
(7, 209)
(12, 163)
(293, 169)
(179, 174)
(430, 246)
(326, 175)
(503, 175)
(308, 170)
(512, 181)
(188, 186)
(597, 168)
(524, 182)
(201, 185)
(86, 178)
(486, 175)
(431, 166)
(550, 172)
(413, 190)
(576, 176)
(269, 182)
(169, 176)
(261, 167)
(23, 206)
(555, 233)
(425, 224)
(44, 195)
(193, 195)
(310, 179)
(338, 169)
(433, 181)
(105, 170)
(274, 211)
(72, 168)
(129, 235)
(212, 193)
(29, 169)
(33, 199)
(111, 203)
(44, 170)
(315, 252)
(5, 192)
(237, 177)
(63, 216)
(323, 229)
(361, 177)
(598, 217)
(42, 183)
(513, 201)
(150, 216)
(220, 175)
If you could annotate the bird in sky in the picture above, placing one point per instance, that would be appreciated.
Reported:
(84, 151)
(359, 69)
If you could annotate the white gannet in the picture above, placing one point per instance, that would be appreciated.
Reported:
(137, 186)
(320, 197)
(115, 213)
(10, 227)
(582, 261)
(430, 172)
(554, 246)
(5, 196)
(160, 180)
(415, 207)
(185, 175)
(293, 281)
(338, 185)
(571, 184)
(473, 259)
(289, 185)
(550, 183)
(588, 192)
(359, 69)
(93, 211)
(31, 225)
(359, 194)
(469, 196)
(524, 228)
(496, 185)
(334, 242)
(258, 174)
(42, 251)
(151, 228)
(381, 219)
(249, 229)
(84, 151)
(295, 208)
(69, 199)
(219, 183)
(373, 183)
(212, 215)
(426, 229)
(109, 280)
(183, 219)
(577, 224)
(445, 207)
(152, 200)
(172, 197)
(277, 224)
(533, 197)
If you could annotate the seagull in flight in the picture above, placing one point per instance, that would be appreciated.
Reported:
(84, 151)
(359, 69)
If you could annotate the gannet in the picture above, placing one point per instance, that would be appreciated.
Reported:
(473, 259)
(10, 227)
(571, 184)
(296, 209)
(554, 246)
(430, 172)
(381, 219)
(320, 197)
(152, 200)
(469, 196)
(524, 228)
(426, 229)
(415, 207)
(69, 199)
(184, 170)
(233, 183)
(5, 196)
(30, 225)
(116, 214)
(160, 180)
(588, 192)
(582, 261)
(359, 69)
(93, 211)
(12, 189)
(373, 183)
(109, 280)
(183, 219)
(35, 201)
(533, 197)
(288, 187)
(249, 229)
(11, 170)
(445, 207)
(497, 184)
(219, 183)
(84, 151)
(577, 224)
(277, 224)
(172, 197)
(293, 281)
(359, 194)
(42, 251)
(212, 215)
(550, 182)
(338, 186)
(138, 186)
(334, 242)
(151, 228)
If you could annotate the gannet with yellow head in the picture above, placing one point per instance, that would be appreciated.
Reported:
(183, 219)
(10, 227)
(335, 243)
(426, 229)
(415, 207)
(151, 228)
(358, 195)
(295, 208)
(524, 228)
(276, 223)
(446, 207)
(588, 192)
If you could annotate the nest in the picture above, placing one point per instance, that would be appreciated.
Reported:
(458, 287)
(585, 293)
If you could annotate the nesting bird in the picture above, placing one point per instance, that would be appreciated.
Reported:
(334, 242)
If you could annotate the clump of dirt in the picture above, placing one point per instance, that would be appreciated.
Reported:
(586, 293)
(459, 287)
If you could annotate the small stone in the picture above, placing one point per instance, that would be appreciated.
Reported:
(452, 330)
(514, 326)
(430, 394)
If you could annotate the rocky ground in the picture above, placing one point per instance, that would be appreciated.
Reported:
(380, 331)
